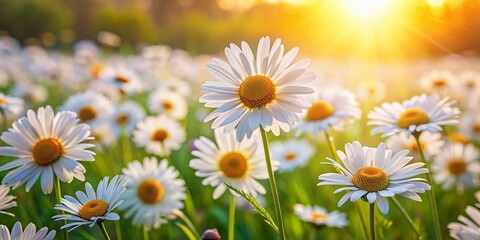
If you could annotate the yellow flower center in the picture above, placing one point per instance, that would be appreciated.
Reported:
(318, 216)
(319, 111)
(121, 79)
(233, 165)
(470, 84)
(476, 128)
(3, 101)
(87, 113)
(412, 116)
(93, 208)
(95, 69)
(290, 156)
(159, 135)
(150, 191)
(458, 138)
(122, 118)
(167, 105)
(439, 82)
(414, 146)
(47, 151)
(98, 136)
(257, 91)
(371, 179)
(457, 166)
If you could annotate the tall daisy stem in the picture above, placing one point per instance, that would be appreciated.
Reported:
(273, 185)
(4, 120)
(362, 220)
(333, 150)
(146, 234)
(104, 230)
(118, 230)
(331, 145)
(231, 218)
(409, 219)
(431, 193)
(372, 221)
(58, 195)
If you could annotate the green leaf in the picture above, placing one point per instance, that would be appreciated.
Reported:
(261, 210)
(187, 231)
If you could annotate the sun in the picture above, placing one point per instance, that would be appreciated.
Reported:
(366, 9)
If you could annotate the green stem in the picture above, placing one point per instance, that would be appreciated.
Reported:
(333, 151)
(409, 219)
(127, 148)
(331, 145)
(189, 204)
(118, 230)
(146, 235)
(431, 193)
(231, 218)
(58, 195)
(362, 220)
(4, 120)
(189, 223)
(104, 230)
(372, 221)
(273, 185)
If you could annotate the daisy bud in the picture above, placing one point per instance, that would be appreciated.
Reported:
(211, 234)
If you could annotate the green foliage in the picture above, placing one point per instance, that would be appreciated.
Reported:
(31, 18)
(261, 210)
(187, 231)
(132, 24)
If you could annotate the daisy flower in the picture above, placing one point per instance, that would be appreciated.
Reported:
(418, 114)
(248, 92)
(159, 135)
(237, 163)
(457, 166)
(291, 154)
(470, 125)
(103, 134)
(329, 107)
(177, 86)
(92, 207)
(126, 116)
(90, 106)
(11, 105)
(169, 103)
(6, 201)
(32, 94)
(457, 137)
(95, 70)
(438, 81)
(431, 143)
(373, 174)
(30, 233)
(469, 84)
(153, 191)
(123, 79)
(319, 216)
(467, 228)
(46, 144)
(372, 92)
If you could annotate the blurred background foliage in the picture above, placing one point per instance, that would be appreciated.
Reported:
(330, 28)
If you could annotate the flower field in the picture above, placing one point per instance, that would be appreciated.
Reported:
(259, 141)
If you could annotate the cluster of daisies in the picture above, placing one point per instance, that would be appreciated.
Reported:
(430, 138)
(103, 106)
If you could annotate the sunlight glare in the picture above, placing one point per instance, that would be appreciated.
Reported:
(436, 3)
(366, 9)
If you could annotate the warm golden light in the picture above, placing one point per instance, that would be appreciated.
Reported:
(436, 3)
(366, 9)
